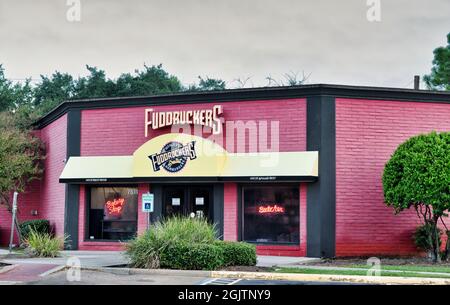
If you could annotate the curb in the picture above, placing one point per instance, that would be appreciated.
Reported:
(133, 271)
(387, 280)
(7, 268)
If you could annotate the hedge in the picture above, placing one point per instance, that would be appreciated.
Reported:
(38, 225)
(238, 253)
(191, 257)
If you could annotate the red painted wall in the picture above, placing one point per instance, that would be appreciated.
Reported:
(367, 133)
(27, 201)
(47, 195)
(52, 199)
(121, 131)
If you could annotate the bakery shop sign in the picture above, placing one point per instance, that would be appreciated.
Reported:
(204, 117)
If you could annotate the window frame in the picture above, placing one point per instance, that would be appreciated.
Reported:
(241, 189)
(88, 189)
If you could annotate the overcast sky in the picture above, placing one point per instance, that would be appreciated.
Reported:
(228, 39)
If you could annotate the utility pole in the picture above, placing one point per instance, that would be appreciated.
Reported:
(14, 210)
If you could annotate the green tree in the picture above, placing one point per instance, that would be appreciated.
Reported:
(208, 84)
(439, 78)
(14, 95)
(151, 80)
(51, 91)
(21, 155)
(418, 176)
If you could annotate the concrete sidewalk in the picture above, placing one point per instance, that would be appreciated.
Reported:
(283, 261)
(115, 258)
(86, 258)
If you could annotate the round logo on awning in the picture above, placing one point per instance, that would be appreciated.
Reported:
(173, 156)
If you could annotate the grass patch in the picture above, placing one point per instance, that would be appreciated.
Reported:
(357, 272)
(440, 269)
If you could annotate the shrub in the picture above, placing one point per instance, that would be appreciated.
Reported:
(144, 251)
(424, 237)
(44, 244)
(185, 229)
(38, 225)
(418, 176)
(238, 253)
(179, 255)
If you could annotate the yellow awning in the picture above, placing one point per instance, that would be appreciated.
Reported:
(191, 158)
(97, 169)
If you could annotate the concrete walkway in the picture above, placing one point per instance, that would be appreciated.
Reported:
(283, 261)
(115, 258)
(86, 259)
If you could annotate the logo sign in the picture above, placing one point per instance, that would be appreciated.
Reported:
(147, 202)
(204, 117)
(115, 207)
(270, 209)
(173, 156)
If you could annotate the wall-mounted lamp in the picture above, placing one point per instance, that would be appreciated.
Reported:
(34, 212)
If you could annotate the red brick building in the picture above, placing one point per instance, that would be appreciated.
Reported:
(321, 195)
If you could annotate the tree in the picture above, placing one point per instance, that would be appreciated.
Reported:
(439, 78)
(208, 84)
(152, 80)
(13, 95)
(418, 176)
(21, 156)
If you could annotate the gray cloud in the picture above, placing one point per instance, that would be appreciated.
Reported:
(227, 39)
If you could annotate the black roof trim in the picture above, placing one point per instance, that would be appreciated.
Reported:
(262, 93)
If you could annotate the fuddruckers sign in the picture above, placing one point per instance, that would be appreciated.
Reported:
(204, 117)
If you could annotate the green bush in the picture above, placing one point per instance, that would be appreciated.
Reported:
(187, 243)
(424, 237)
(38, 225)
(238, 253)
(144, 251)
(44, 244)
(179, 255)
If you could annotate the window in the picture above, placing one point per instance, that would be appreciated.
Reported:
(113, 213)
(271, 214)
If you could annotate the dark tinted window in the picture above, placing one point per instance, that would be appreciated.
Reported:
(271, 214)
(113, 213)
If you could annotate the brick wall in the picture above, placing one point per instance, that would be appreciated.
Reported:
(52, 199)
(47, 195)
(367, 133)
(27, 202)
(115, 132)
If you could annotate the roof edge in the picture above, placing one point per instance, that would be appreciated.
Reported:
(349, 91)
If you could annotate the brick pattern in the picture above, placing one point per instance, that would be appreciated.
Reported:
(116, 132)
(109, 132)
(52, 199)
(27, 202)
(46, 195)
(367, 133)
(230, 213)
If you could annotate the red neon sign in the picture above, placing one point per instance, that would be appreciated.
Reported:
(270, 209)
(115, 207)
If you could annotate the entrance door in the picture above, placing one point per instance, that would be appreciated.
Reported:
(185, 200)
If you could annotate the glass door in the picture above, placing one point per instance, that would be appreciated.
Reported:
(200, 198)
(187, 201)
(175, 201)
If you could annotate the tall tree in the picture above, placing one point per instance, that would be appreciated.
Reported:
(21, 154)
(439, 78)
